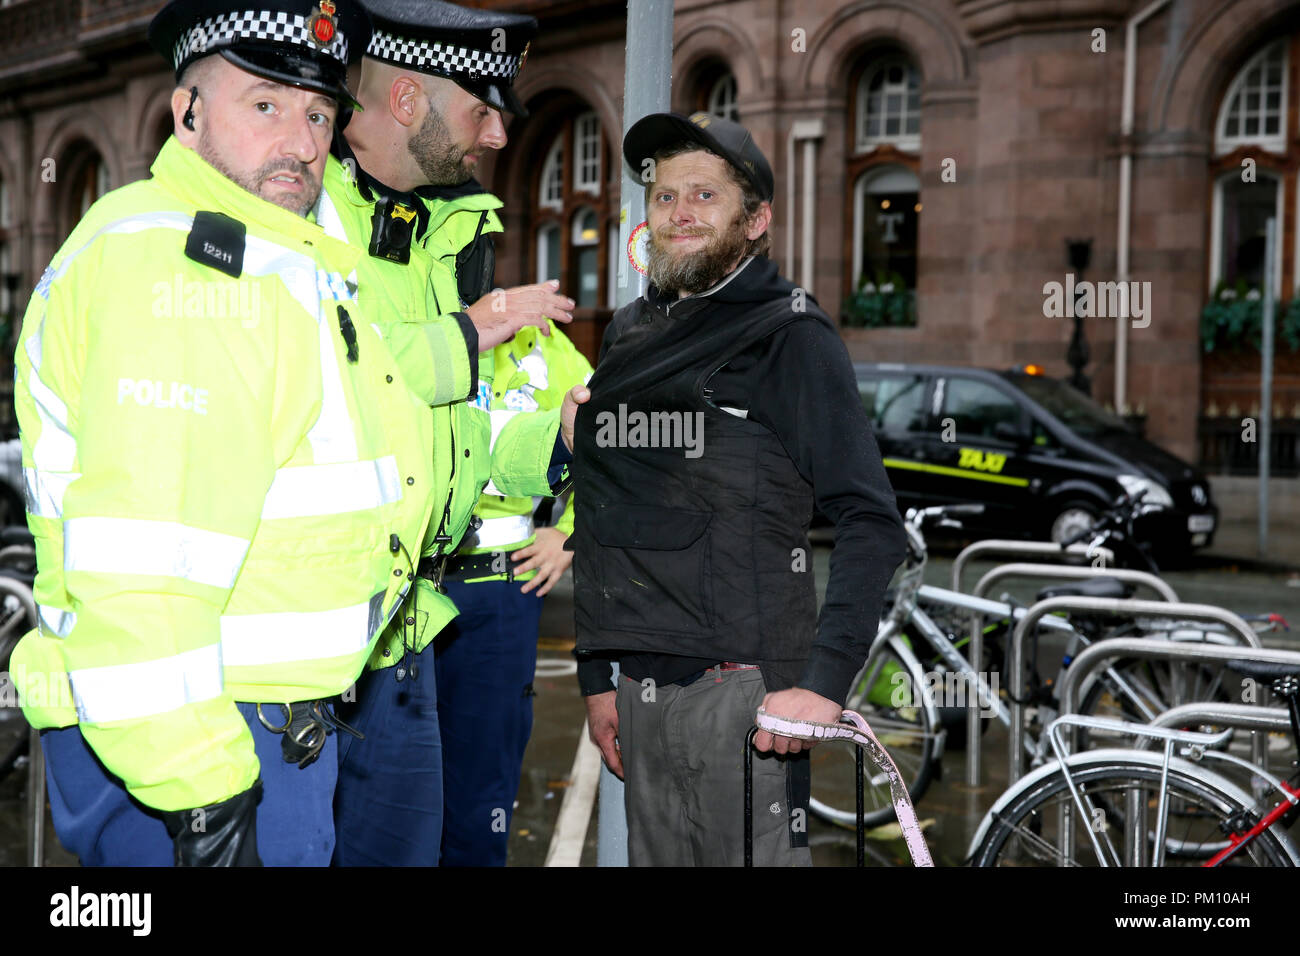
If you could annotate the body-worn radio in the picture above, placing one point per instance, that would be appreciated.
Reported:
(390, 231)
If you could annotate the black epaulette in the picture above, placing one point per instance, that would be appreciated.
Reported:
(216, 240)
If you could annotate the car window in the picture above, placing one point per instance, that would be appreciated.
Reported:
(894, 402)
(977, 407)
(1043, 439)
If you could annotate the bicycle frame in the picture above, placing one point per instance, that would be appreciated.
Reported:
(1197, 745)
(1240, 840)
(1085, 805)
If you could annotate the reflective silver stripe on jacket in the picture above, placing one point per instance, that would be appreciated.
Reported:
(508, 529)
(165, 548)
(333, 489)
(133, 691)
(251, 640)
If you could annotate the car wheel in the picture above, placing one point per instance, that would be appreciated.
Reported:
(1071, 518)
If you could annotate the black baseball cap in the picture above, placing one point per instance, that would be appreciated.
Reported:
(304, 43)
(729, 140)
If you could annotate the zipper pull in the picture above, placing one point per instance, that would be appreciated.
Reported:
(349, 334)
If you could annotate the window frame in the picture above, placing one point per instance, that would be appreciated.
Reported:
(859, 194)
(715, 93)
(906, 142)
(563, 132)
(1274, 143)
(587, 131)
(1022, 420)
(1215, 272)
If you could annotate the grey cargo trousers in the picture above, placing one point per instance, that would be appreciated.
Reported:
(682, 764)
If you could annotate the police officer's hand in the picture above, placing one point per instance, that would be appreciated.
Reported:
(503, 312)
(577, 395)
(795, 704)
(602, 728)
(548, 556)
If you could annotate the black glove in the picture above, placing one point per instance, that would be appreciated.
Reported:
(222, 834)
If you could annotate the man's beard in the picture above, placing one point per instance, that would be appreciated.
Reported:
(439, 158)
(254, 181)
(691, 272)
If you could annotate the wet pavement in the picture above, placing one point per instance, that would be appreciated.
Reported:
(950, 811)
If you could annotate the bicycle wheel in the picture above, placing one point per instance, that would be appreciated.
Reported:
(890, 692)
(1136, 689)
(1024, 828)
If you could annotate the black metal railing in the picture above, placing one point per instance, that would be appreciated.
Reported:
(1229, 447)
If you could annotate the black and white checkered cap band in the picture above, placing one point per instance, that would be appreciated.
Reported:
(438, 57)
(227, 29)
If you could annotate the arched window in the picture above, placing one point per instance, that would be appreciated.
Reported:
(721, 100)
(585, 239)
(1240, 212)
(548, 252)
(713, 90)
(1254, 110)
(571, 213)
(888, 104)
(586, 147)
(552, 184)
(1252, 173)
(91, 184)
(86, 174)
(886, 217)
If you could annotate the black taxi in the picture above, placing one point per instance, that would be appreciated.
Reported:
(1041, 456)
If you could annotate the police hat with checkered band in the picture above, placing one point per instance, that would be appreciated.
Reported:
(303, 43)
(480, 50)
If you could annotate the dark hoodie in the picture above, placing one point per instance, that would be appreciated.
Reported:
(799, 384)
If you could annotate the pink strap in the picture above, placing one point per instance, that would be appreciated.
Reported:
(860, 734)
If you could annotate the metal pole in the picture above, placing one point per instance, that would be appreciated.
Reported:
(1042, 550)
(647, 82)
(36, 800)
(1266, 383)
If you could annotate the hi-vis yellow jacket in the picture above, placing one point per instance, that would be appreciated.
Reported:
(531, 371)
(416, 304)
(222, 457)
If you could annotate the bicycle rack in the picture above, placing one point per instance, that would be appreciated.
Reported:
(1037, 549)
(1241, 716)
(35, 815)
(1020, 569)
(1250, 717)
(1115, 648)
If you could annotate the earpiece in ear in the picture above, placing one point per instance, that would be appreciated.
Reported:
(188, 119)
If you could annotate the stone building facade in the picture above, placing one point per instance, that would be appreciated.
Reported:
(932, 158)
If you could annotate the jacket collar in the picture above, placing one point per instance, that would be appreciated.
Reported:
(372, 190)
(193, 180)
(666, 302)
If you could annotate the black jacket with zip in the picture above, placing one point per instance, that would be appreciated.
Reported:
(697, 552)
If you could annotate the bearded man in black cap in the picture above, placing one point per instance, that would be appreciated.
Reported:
(691, 556)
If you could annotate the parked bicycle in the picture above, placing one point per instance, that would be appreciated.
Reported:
(1117, 807)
